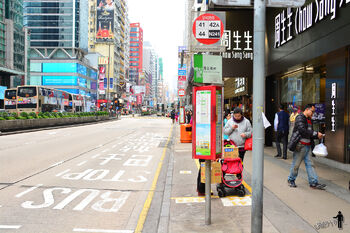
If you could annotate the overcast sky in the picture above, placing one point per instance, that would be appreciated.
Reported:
(163, 23)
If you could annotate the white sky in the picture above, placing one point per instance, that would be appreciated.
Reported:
(163, 23)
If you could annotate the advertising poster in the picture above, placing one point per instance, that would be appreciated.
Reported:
(105, 19)
(203, 113)
(182, 115)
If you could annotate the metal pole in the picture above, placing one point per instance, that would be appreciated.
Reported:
(108, 70)
(258, 103)
(207, 192)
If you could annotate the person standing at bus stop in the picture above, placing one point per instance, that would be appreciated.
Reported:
(238, 128)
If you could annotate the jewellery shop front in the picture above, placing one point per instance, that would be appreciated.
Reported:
(308, 62)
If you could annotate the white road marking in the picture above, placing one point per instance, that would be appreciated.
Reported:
(111, 157)
(114, 146)
(105, 150)
(61, 173)
(79, 164)
(52, 133)
(101, 230)
(28, 190)
(95, 156)
(100, 145)
(0, 206)
(10, 226)
(56, 164)
(185, 172)
(237, 201)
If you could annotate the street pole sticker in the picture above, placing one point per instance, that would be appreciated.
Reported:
(208, 29)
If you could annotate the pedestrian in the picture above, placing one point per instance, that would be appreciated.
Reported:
(177, 116)
(188, 117)
(238, 128)
(282, 132)
(227, 117)
(300, 143)
(172, 115)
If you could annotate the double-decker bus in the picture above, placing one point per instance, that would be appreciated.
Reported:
(10, 100)
(41, 99)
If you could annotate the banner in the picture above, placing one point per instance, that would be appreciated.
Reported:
(105, 20)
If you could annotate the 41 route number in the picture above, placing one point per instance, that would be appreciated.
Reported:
(208, 29)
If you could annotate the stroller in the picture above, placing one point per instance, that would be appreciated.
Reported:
(229, 168)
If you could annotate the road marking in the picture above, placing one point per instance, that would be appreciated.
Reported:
(0, 206)
(61, 173)
(237, 201)
(95, 156)
(148, 201)
(100, 145)
(56, 164)
(247, 186)
(185, 172)
(101, 230)
(52, 133)
(79, 164)
(105, 150)
(10, 226)
(114, 146)
(183, 150)
(28, 190)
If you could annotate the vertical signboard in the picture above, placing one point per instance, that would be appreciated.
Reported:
(105, 20)
(207, 69)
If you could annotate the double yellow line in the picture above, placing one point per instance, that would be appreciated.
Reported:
(148, 201)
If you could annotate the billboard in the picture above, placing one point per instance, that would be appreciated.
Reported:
(105, 20)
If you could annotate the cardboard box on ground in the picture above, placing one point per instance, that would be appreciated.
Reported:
(215, 172)
(231, 152)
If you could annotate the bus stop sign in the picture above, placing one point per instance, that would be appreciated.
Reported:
(208, 29)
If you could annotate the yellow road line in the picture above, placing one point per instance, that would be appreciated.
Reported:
(148, 201)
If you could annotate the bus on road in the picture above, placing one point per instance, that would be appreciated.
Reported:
(10, 100)
(41, 99)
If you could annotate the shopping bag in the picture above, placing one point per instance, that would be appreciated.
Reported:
(320, 150)
(248, 145)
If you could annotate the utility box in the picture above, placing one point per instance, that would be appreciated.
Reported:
(207, 122)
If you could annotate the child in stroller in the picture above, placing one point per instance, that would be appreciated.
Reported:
(229, 168)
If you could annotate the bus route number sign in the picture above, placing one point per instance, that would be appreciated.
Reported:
(208, 29)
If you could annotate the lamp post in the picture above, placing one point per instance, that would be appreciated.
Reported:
(108, 70)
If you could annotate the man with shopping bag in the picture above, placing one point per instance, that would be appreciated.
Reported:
(300, 143)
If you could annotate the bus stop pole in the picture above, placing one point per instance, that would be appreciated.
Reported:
(207, 192)
(258, 104)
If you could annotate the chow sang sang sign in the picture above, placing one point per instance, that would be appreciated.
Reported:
(290, 23)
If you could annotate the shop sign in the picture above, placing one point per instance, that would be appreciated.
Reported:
(239, 44)
(334, 106)
(207, 69)
(182, 78)
(240, 85)
(303, 18)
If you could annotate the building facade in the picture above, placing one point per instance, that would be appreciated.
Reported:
(136, 52)
(58, 45)
(308, 53)
(13, 45)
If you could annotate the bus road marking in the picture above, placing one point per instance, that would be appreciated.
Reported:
(28, 190)
(185, 172)
(79, 164)
(56, 164)
(10, 226)
(101, 230)
(95, 156)
(61, 173)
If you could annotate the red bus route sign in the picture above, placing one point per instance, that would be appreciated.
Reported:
(208, 29)
(181, 92)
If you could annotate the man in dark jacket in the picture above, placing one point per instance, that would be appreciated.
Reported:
(282, 132)
(300, 144)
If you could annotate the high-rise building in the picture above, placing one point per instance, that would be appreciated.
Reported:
(150, 64)
(108, 36)
(58, 45)
(12, 45)
(136, 52)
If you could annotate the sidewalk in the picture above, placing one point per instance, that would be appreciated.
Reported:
(286, 209)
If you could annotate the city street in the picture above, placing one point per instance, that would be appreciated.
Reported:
(93, 178)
